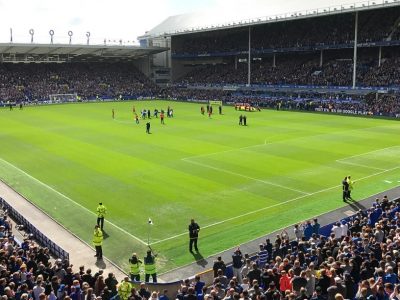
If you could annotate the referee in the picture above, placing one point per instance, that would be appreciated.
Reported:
(194, 229)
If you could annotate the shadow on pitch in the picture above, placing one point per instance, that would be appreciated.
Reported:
(199, 259)
(105, 235)
(356, 205)
(100, 264)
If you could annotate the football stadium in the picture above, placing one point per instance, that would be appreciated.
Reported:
(254, 159)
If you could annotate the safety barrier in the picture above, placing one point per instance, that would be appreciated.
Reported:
(43, 240)
(327, 229)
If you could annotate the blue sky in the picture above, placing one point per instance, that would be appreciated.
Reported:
(125, 19)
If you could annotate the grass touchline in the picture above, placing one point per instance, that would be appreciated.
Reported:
(71, 200)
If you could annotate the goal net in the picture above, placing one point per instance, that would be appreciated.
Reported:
(63, 97)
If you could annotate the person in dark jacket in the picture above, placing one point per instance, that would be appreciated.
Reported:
(219, 265)
(194, 229)
(237, 264)
(337, 288)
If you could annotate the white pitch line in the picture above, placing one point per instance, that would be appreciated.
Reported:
(293, 139)
(275, 205)
(69, 199)
(255, 239)
(225, 151)
(124, 122)
(358, 165)
(244, 176)
(361, 154)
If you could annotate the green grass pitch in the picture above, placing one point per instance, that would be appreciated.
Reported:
(238, 182)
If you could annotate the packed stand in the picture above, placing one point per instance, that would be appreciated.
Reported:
(360, 259)
(375, 25)
(383, 105)
(336, 70)
(35, 82)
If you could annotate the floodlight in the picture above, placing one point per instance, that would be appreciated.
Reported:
(51, 32)
(87, 37)
(31, 32)
(70, 33)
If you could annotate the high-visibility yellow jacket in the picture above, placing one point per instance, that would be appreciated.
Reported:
(351, 184)
(97, 237)
(150, 266)
(135, 268)
(101, 211)
(124, 290)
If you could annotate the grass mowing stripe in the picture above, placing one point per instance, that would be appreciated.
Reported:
(150, 179)
(244, 176)
(275, 205)
(290, 140)
(225, 151)
(358, 165)
(256, 238)
(69, 199)
(124, 122)
(361, 154)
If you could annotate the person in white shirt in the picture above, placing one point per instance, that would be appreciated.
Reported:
(337, 230)
(245, 285)
(345, 228)
(38, 289)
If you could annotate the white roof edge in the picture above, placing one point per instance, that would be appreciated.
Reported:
(84, 46)
(310, 13)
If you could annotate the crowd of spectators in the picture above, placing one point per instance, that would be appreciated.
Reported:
(336, 70)
(370, 104)
(26, 82)
(388, 105)
(28, 272)
(30, 82)
(360, 259)
(373, 26)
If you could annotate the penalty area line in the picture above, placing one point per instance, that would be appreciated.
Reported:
(344, 160)
(358, 165)
(361, 154)
(245, 176)
(275, 205)
(69, 199)
(124, 122)
(226, 151)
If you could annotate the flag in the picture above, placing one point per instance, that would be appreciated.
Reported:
(150, 222)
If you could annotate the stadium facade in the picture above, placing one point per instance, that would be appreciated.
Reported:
(75, 53)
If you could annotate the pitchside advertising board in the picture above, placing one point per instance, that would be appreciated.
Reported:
(215, 102)
(348, 111)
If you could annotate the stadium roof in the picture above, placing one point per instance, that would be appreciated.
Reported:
(202, 22)
(11, 52)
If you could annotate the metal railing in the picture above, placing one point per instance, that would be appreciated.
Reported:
(41, 238)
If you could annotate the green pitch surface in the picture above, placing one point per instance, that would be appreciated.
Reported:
(238, 182)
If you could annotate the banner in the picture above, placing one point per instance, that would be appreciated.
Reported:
(215, 102)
